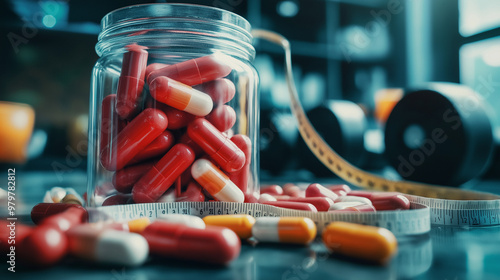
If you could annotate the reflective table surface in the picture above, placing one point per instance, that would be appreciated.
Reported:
(445, 253)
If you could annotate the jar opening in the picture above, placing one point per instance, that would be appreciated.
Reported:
(176, 27)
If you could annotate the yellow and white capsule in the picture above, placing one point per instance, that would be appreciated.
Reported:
(359, 241)
(240, 224)
(215, 182)
(187, 220)
(296, 230)
(106, 245)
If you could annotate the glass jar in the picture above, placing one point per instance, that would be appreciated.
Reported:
(174, 107)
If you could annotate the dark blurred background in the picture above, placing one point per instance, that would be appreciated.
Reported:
(346, 49)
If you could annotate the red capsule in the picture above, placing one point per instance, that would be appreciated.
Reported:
(385, 200)
(44, 210)
(240, 178)
(131, 81)
(218, 146)
(12, 233)
(193, 192)
(153, 184)
(158, 147)
(292, 205)
(321, 203)
(217, 245)
(136, 136)
(222, 117)
(176, 118)
(66, 220)
(194, 71)
(317, 190)
(118, 199)
(124, 179)
(44, 246)
(293, 190)
(189, 142)
(221, 90)
(111, 124)
(272, 190)
(153, 67)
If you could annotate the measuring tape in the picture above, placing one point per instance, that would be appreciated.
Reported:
(448, 206)
(401, 223)
(429, 204)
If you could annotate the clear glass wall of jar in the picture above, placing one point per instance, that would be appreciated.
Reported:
(173, 107)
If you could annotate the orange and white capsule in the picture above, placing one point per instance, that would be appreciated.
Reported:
(107, 245)
(215, 182)
(360, 241)
(181, 96)
(240, 224)
(296, 230)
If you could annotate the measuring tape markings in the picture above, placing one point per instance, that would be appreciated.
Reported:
(407, 222)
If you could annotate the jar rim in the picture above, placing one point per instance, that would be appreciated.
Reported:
(170, 9)
(114, 22)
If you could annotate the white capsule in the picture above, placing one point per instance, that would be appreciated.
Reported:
(215, 182)
(107, 245)
(352, 198)
(344, 205)
(188, 220)
(266, 197)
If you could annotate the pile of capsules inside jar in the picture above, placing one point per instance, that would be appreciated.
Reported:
(171, 125)
(63, 229)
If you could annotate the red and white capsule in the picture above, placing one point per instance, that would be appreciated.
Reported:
(104, 245)
(385, 200)
(180, 96)
(215, 182)
(317, 190)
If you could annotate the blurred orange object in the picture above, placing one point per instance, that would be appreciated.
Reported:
(385, 100)
(16, 125)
